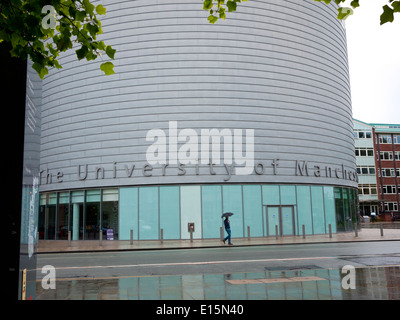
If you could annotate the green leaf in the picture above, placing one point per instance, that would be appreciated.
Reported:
(231, 6)
(110, 52)
(64, 43)
(88, 6)
(80, 15)
(107, 68)
(387, 15)
(344, 13)
(212, 19)
(208, 4)
(100, 9)
(40, 69)
(82, 52)
(93, 29)
(396, 6)
(355, 3)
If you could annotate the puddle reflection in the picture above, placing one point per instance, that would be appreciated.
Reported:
(378, 283)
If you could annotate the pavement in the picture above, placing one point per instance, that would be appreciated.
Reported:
(368, 232)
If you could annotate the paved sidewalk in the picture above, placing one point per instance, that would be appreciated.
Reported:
(367, 233)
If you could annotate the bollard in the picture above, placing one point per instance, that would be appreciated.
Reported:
(101, 237)
(221, 233)
(131, 237)
(330, 231)
(162, 235)
(276, 232)
(381, 226)
(191, 236)
(248, 232)
(69, 238)
(304, 231)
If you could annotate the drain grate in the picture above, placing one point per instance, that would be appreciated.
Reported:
(292, 268)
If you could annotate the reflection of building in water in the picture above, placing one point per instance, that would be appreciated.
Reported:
(379, 283)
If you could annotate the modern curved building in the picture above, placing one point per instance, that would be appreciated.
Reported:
(251, 115)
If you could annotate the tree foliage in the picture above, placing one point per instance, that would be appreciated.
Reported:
(41, 29)
(217, 9)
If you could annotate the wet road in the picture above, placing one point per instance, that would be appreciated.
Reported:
(309, 271)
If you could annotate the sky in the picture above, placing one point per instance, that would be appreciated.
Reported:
(374, 62)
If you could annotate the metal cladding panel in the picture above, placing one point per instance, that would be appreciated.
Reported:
(275, 68)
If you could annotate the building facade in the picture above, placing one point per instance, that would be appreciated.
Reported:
(377, 149)
(387, 160)
(368, 197)
(251, 115)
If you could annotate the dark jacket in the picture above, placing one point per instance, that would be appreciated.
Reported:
(227, 224)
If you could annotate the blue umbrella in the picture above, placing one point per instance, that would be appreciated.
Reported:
(227, 214)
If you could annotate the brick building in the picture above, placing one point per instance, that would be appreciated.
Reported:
(387, 162)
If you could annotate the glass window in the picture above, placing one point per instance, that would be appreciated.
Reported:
(329, 203)
(211, 198)
(252, 205)
(361, 134)
(63, 215)
(232, 202)
(148, 213)
(191, 211)
(41, 218)
(303, 208)
(368, 134)
(50, 216)
(169, 212)
(92, 215)
(76, 222)
(109, 218)
(391, 206)
(339, 209)
(128, 213)
(385, 139)
(318, 212)
(386, 155)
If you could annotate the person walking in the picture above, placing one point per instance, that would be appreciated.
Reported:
(228, 231)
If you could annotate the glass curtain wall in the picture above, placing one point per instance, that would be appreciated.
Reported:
(82, 212)
(145, 210)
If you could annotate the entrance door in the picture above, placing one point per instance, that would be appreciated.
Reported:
(281, 216)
